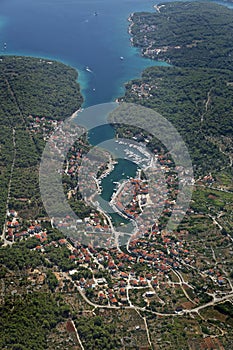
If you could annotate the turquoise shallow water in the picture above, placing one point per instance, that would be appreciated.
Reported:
(69, 31)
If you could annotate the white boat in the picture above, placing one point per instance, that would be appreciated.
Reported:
(122, 58)
(88, 69)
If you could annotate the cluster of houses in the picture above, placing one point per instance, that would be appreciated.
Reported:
(169, 254)
(131, 197)
(216, 276)
(161, 254)
(15, 230)
(153, 197)
(142, 90)
(159, 251)
(153, 52)
(147, 33)
(42, 124)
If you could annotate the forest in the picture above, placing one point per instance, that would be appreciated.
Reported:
(30, 79)
(24, 83)
(26, 321)
(195, 91)
(193, 100)
(189, 34)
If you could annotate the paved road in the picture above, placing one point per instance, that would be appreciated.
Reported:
(211, 303)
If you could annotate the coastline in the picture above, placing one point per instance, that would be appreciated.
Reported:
(130, 19)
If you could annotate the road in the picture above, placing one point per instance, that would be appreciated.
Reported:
(206, 105)
(147, 329)
(211, 303)
(181, 283)
(3, 236)
(137, 308)
(77, 335)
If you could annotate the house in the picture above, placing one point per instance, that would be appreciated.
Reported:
(101, 281)
(13, 213)
(31, 229)
(178, 310)
(113, 301)
(122, 291)
(62, 241)
(220, 281)
(134, 283)
(124, 275)
(102, 296)
(122, 283)
(72, 257)
(124, 300)
(154, 283)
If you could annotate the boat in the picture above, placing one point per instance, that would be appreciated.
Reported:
(88, 69)
(95, 13)
(121, 58)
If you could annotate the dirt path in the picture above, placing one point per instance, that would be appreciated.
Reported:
(3, 237)
(206, 105)
(77, 335)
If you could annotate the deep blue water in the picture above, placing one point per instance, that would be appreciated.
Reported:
(69, 31)
(123, 169)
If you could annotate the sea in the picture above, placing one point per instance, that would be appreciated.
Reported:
(89, 35)
(81, 33)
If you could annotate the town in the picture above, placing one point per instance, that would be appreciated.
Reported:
(165, 273)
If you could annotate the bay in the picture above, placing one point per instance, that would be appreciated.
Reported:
(70, 31)
(81, 33)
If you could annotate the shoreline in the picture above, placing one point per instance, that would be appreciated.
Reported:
(109, 169)
(130, 19)
(79, 72)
